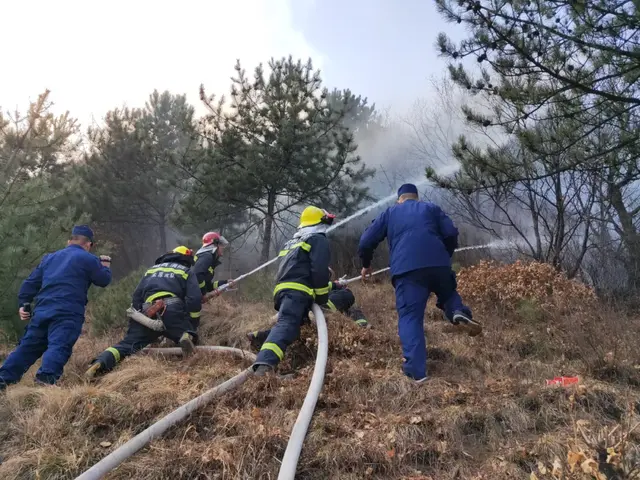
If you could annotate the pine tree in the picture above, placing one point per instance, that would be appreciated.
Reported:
(39, 202)
(278, 146)
(135, 173)
(555, 60)
(562, 77)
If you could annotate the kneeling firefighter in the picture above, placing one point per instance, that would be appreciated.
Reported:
(341, 299)
(168, 291)
(303, 276)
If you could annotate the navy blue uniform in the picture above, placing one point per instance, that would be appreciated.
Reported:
(172, 281)
(59, 285)
(422, 239)
(341, 299)
(207, 260)
(303, 276)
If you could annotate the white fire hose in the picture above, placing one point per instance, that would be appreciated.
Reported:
(119, 455)
(294, 447)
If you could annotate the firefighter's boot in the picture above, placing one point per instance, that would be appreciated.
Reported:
(186, 344)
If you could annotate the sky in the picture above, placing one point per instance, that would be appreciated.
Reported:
(97, 55)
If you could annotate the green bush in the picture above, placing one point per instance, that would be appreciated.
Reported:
(257, 288)
(529, 311)
(107, 306)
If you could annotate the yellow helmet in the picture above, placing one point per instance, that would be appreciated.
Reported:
(313, 216)
(182, 250)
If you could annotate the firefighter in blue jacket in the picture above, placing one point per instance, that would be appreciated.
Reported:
(422, 240)
(59, 284)
(303, 276)
(171, 291)
(341, 299)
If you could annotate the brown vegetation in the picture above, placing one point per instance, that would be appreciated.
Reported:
(486, 413)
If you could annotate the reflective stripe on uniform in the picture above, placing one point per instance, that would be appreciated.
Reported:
(155, 296)
(194, 314)
(201, 284)
(303, 245)
(114, 352)
(322, 291)
(175, 271)
(274, 348)
(293, 286)
(216, 284)
(331, 306)
(362, 321)
(211, 270)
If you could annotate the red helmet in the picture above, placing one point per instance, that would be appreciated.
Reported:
(213, 238)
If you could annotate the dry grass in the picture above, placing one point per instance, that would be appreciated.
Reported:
(485, 414)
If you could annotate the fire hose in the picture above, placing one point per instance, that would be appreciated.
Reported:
(115, 458)
(294, 447)
(158, 326)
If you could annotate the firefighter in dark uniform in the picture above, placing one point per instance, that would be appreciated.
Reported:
(170, 289)
(303, 277)
(206, 261)
(341, 299)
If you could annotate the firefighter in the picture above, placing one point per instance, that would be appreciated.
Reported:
(422, 240)
(206, 260)
(303, 276)
(341, 299)
(59, 285)
(168, 290)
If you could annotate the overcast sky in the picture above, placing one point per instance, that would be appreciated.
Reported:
(95, 55)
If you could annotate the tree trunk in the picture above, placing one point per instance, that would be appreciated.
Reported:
(628, 234)
(163, 234)
(558, 244)
(268, 228)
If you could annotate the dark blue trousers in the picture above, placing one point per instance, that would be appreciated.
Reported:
(293, 309)
(49, 337)
(412, 293)
(176, 322)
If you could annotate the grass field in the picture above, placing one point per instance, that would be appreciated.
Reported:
(486, 412)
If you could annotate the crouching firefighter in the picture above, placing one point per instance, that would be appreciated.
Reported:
(303, 276)
(168, 291)
(341, 299)
(207, 259)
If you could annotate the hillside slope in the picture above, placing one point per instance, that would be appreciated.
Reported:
(486, 412)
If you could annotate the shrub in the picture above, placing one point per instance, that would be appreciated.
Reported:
(489, 284)
(107, 306)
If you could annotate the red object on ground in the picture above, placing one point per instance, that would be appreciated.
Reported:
(564, 381)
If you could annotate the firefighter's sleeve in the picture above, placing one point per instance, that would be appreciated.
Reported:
(100, 275)
(371, 238)
(193, 296)
(31, 286)
(137, 299)
(448, 231)
(320, 256)
(219, 283)
(201, 269)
